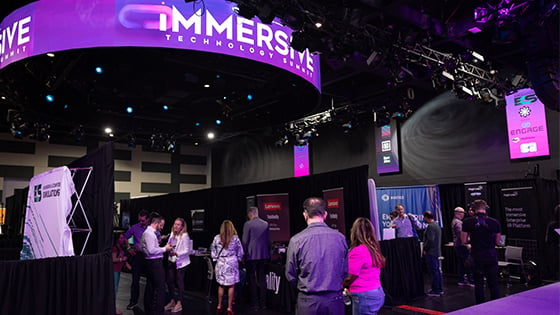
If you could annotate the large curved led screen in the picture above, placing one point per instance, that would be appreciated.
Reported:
(210, 25)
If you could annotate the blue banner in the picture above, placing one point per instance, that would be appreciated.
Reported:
(415, 199)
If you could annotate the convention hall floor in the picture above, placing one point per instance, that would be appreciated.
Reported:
(455, 298)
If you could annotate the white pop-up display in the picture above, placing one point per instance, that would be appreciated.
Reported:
(49, 202)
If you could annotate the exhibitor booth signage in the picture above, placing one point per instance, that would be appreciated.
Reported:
(275, 209)
(519, 207)
(48, 26)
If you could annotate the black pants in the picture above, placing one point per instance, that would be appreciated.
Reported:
(154, 295)
(175, 280)
(138, 263)
(488, 269)
(327, 303)
(257, 281)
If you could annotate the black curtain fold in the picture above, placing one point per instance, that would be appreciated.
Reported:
(402, 278)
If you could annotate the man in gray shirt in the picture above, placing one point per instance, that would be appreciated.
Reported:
(432, 251)
(256, 246)
(317, 263)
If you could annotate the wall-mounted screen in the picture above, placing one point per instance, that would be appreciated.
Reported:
(301, 160)
(387, 148)
(526, 121)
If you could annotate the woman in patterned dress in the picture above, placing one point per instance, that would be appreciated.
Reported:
(227, 251)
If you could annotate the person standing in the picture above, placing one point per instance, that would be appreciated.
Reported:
(484, 233)
(317, 263)
(405, 224)
(137, 255)
(177, 263)
(432, 251)
(256, 243)
(227, 251)
(463, 269)
(365, 261)
(118, 255)
(154, 294)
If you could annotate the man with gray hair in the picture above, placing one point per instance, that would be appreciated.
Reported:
(257, 248)
(461, 249)
(317, 263)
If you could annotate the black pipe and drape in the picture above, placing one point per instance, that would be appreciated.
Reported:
(70, 285)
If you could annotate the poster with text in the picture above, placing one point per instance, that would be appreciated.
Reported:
(335, 209)
(275, 209)
(520, 207)
(197, 220)
(474, 191)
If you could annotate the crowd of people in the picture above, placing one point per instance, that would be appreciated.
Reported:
(319, 263)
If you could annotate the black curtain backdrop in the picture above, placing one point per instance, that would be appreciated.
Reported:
(547, 196)
(402, 278)
(230, 202)
(70, 285)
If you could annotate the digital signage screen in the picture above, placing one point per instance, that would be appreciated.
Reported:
(301, 160)
(526, 122)
(387, 148)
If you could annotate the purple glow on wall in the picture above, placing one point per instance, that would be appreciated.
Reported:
(526, 121)
(58, 25)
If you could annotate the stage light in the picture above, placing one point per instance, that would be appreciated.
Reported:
(206, 85)
(129, 109)
(78, 134)
(98, 70)
(108, 130)
(49, 98)
(41, 132)
(51, 55)
(211, 135)
(197, 124)
(131, 139)
(165, 107)
(482, 15)
(218, 122)
(249, 97)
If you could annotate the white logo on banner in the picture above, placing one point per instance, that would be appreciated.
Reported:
(385, 197)
(273, 282)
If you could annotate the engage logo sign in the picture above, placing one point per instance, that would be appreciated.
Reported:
(527, 129)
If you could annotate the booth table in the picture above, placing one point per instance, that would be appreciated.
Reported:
(402, 278)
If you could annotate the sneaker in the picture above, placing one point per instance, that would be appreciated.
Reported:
(432, 293)
(131, 305)
(169, 306)
(178, 307)
(470, 284)
(461, 284)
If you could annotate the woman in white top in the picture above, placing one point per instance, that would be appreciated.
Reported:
(177, 262)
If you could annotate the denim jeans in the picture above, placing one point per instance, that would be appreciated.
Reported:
(367, 303)
(435, 272)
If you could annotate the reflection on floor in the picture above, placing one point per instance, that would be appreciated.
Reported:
(455, 298)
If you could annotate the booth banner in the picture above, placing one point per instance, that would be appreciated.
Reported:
(335, 209)
(197, 220)
(415, 199)
(2, 215)
(275, 209)
(49, 202)
(474, 191)
(520, 206)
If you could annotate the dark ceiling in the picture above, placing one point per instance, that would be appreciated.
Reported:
(368, 62)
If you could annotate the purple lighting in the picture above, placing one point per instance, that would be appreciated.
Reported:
(44, 27)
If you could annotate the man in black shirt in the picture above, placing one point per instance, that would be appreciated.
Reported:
(484, 234)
